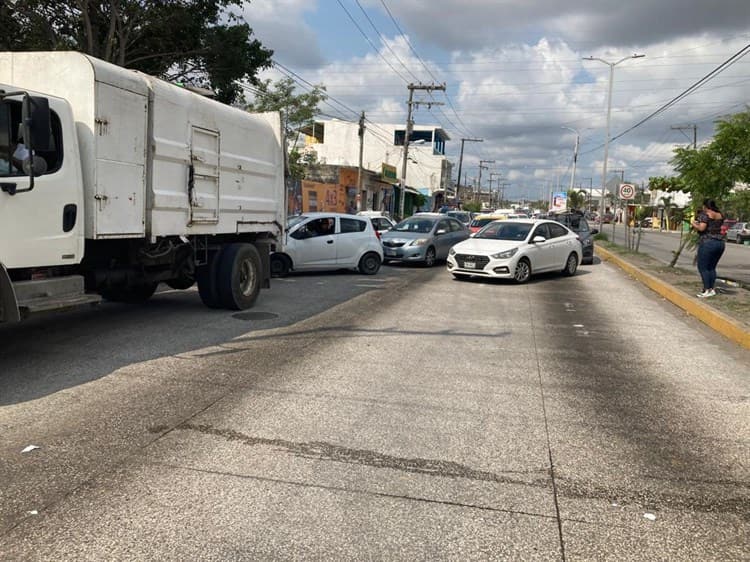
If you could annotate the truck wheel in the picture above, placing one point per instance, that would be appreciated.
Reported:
(240, 276)
(206, 276)
(129, 294)
(369, 264)
(280, 265)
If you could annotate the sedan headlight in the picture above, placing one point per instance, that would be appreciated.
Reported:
(451, 252)
(505, 255)
(419, 242)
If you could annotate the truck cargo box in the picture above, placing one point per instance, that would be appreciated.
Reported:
(158, 159)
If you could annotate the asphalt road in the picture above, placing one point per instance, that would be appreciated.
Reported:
(402, 416)
(734, 264)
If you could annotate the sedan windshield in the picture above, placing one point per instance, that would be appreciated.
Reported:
(415, 225)
(505, 230)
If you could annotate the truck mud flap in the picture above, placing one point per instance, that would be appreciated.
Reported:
(264, 249)
(9, 311)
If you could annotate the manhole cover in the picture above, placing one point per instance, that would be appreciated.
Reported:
(251, 315)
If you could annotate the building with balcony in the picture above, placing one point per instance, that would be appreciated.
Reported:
(428, 171)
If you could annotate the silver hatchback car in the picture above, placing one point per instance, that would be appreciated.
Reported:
(423, 238)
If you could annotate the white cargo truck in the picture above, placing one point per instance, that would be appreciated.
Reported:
(112, 181)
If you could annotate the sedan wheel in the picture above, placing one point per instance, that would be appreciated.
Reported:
(523, 271)
(429, 257)
(571, 265)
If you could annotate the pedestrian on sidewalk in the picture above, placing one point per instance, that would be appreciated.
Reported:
(710, 245)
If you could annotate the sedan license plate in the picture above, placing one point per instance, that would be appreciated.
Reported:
(470, 265)
(389, 252)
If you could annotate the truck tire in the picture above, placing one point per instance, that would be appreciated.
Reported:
(206, 276)
(239, 277)
(129, 294)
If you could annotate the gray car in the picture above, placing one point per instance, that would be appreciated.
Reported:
(423, 238)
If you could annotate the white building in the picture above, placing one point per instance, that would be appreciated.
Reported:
(427, 171)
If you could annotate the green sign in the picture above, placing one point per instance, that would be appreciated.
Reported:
(388, 173)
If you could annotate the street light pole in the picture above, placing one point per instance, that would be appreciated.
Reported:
(612, 66)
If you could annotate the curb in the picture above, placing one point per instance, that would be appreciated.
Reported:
(728, 327)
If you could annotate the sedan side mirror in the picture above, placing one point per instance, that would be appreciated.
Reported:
(594, 231)
(538, 239)
(440, 231)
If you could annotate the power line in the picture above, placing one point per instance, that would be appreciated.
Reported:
(385, 43)
(408, 42)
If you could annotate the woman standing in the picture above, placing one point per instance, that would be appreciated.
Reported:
(710, 246)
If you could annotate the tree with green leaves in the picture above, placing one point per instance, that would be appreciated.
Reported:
(577, 199)
(203, 42)
(297, 111)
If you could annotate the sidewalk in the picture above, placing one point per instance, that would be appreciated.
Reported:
(728, 313)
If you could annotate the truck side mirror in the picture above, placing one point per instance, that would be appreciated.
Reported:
(36, 122)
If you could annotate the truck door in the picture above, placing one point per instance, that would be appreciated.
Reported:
(120, 162)
(203, 183)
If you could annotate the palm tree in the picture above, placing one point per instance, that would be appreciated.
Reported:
(666, 202)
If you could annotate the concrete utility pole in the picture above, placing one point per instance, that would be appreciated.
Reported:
(695, 133)
(407, 134)
(612, 66)
(359, 171)
(461, 161)
(482, 167)
(492, 176)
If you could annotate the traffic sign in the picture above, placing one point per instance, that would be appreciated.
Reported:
(627, 191)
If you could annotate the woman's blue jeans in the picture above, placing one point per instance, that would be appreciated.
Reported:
(709, 253)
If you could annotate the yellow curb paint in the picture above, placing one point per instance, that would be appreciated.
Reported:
(718, 321)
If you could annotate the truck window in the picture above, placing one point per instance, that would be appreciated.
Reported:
(11, 135)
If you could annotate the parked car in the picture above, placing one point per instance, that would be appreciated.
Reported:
(381, 221)
(516, 249)
(727, 224)
(739, 232)
(578, 224)
(320, 241)
(423, 238)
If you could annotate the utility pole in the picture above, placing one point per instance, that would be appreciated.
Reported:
(492, 174)
(360, 192)
(482, 167)
(461, 161)
(695, 133)
(407, 134)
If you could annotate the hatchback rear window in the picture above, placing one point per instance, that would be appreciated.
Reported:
(352, 225)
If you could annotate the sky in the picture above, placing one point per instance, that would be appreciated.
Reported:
(515, 76)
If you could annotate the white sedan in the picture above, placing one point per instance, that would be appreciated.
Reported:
(516, 249)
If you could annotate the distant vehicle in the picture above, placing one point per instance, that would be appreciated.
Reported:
(463, 216)
(320, 241)
(577, 223)
(727, 224)
(381, 221)
(423, 238)
(739, 232)
(516, 249)
(607, 218)
(482, 220)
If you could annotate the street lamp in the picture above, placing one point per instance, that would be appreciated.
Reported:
(575, 155)
(612, 66)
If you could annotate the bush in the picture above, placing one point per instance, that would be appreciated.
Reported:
(601, 236)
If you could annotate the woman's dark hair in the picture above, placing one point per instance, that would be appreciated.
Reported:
(711, 204)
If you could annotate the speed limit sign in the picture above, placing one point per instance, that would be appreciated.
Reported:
(627, 191)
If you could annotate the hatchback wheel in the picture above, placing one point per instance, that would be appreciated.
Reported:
(523, 271)
(369, 264)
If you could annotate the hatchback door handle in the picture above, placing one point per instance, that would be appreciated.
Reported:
(329, 241)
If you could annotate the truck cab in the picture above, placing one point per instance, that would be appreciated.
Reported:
(41, 196)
